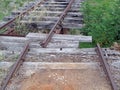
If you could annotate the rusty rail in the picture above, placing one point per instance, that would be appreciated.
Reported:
(106, 67)
(52, 31)
(21, 14)
(15, 67)
(9, 31)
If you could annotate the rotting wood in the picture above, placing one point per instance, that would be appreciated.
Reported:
(50, 24)
(58, 37)
(32, 52)
(39, 37)
(58, 51)
(65, 22)
(55, 65)
(52, 18)
(58, 12)
(13, 39)
(67, 44)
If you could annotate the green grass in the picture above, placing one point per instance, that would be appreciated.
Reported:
(102, 20)
(86, 45)
(1, 15)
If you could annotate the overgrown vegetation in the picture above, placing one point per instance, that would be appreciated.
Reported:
(6, 6)
(86, 45)
(102, 19)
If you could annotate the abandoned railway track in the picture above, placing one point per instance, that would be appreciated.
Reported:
(52, 44)
(46, 15)
(29, 48)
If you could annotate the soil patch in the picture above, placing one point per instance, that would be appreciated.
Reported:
(65, 80)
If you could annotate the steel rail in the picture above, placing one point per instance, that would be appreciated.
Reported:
(15, 67)
(22, 13)
(52, 31)
(106, 67)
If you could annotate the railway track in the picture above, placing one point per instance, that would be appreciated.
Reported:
(8, 24)
(52, 45)
(44, 15)
(56, 56)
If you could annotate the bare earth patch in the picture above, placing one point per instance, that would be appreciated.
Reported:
(65, 80)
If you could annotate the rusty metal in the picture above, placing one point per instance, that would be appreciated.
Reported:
(106, 68)
(21, 14)
(52, 31)
(15, 67)
(9, 31)
(6, 24)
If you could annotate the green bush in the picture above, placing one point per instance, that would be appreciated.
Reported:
(102, 20)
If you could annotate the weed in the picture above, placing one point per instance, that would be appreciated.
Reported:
(102, 20)
(6, 6)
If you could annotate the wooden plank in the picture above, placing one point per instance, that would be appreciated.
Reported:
(55, 65)
(49, 24)
(37, 22)
(78, 26)
(62, 6)
(55, 2)
(62, 3)
(79, 38)
(61, 44)
(74, 9)
(58, 12)
(52, 22)
(39, 37)
(70, 13)
(38, 51)
(53, 5)
(59, 51)
(51, 18)
(85, 51)
(13, 39)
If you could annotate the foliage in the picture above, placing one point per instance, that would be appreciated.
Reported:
(86, 45)
(102, 20)
(6, 6)
(74, 31)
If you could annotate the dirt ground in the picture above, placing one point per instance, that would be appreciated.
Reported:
(65, 80)
(79, 79)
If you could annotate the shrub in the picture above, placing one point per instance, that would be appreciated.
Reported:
(102, 20)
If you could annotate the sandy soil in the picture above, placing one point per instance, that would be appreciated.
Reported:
(64, 80)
